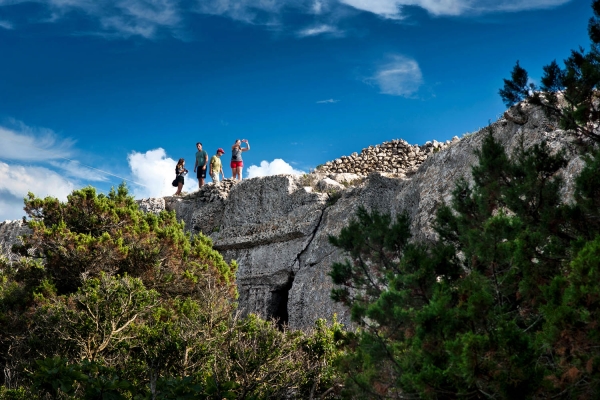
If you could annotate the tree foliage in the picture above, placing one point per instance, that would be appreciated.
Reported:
(503, 305)
(109, 302)
(569, 93)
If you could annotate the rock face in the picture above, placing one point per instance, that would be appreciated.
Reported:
(277, 227)
(10, 231)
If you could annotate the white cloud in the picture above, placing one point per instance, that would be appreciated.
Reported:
(32, 144)
(248, 10)
(156, 171)
(328, 101)
(263, 12)
(319, 30)
(519, 5)
(393, 8)
(275, 167)
(399, 77)
(145, 18)
(16, 181)
(384, 8)
(317, 7)
(123, 17)
(142, 17)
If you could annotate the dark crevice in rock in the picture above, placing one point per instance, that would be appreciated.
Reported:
(251, 241)
(279, 302)
(280, 296)
(312, 237)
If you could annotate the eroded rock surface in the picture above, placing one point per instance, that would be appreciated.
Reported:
(277, 227)
(10, 233)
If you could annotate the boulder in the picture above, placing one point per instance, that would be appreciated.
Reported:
(329, 185)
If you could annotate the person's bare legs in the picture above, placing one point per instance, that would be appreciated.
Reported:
(239, 173)
(179, 187)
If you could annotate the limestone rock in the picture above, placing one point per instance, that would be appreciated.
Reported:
(277, 227)
(10, 233)
(329, 185)
(152, 205)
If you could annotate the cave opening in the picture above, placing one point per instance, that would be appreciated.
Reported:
(279, 305)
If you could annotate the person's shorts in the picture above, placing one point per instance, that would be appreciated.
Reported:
(237, 164)
(201, 173)
(215, 177)
(179, 179)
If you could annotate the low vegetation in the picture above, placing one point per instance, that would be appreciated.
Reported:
(103, 301)
(504, 305)
(108, 302)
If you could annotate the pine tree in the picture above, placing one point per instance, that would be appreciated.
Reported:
(503, 305)
(569, 94)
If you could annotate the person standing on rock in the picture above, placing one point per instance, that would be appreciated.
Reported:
(236, 157)
(215, 166)
(180, 172)
(200, 165)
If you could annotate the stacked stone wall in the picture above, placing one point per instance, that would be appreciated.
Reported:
(396, 157)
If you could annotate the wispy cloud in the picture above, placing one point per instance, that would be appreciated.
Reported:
(275, 167)
(6, 25)
(519, 5)
(261, 12)
(75, 169)
(328, 101)
(322, 29)
(146, 18)
(17, 180)
(393, 8)
(142, 17)
(26, 149)
(400, 76)
(384, 8)
(123, 18)
(23, 143)
(156, 171)
(318, 6)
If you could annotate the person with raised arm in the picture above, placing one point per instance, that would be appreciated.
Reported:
(237, 163)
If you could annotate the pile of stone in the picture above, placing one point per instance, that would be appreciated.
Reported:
(213, 191)
(396, 156)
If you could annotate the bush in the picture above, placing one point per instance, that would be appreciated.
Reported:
(110, 302)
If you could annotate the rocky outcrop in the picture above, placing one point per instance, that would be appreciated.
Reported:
(277, 227)
(10, 233)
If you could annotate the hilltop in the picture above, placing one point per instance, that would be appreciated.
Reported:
(277, 227)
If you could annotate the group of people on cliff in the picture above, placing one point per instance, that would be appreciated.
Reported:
(214, 167)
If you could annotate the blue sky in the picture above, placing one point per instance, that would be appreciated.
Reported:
(129, 86)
